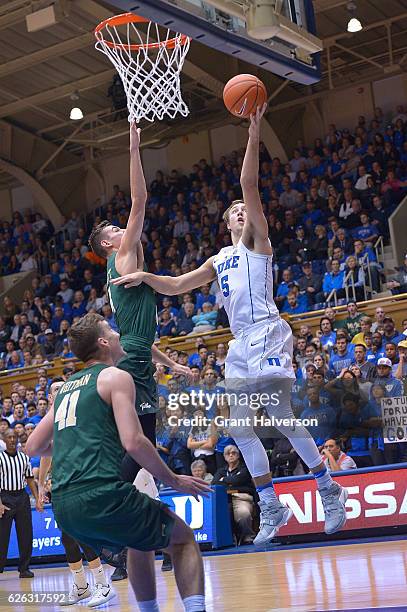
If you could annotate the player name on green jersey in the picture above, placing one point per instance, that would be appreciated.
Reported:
(75, 384)
(87, 450)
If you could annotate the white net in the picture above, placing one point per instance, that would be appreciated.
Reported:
(149, 65)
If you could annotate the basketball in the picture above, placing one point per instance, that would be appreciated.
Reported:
(243, 94)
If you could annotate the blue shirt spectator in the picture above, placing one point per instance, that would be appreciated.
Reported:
(334, 279)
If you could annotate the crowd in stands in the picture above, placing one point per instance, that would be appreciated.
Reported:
(326, 208)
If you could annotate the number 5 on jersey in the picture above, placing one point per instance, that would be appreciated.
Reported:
(224, 285)
(66, 414)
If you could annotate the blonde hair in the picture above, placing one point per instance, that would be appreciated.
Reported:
(225, 215)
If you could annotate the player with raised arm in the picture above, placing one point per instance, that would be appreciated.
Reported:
(135, 314)
(93, 420)
(260, 356)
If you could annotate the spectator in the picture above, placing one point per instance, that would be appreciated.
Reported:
(79, 305)
(206, 320)
(356, 277)
(235, 476)
(179, 459)
(353, 422)
(202, 442)
(50, 345)
(198, 470)
(379, 316)
(362, 252)
(204, 296)
(65, 291)
(367, 368)
(335, 459)
(366, 232)
(365, 327)
(352, 321)
(345, 383)
(342, 357)
(283, 459)
(323, 414)
(393, 386)
(390, 333)
(399, 282)
(391, 353)
(401, 370)
(185, 324)
(333, 280)
(292, 306)
(309, 283)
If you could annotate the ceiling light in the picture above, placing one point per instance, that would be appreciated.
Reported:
(76, 113)
(354, 25)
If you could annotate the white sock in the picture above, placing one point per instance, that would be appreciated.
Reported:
(267, 493)
(99, 575)
(194, 603)
(79, 577)
(148, 606)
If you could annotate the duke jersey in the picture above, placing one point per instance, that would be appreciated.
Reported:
(246, 283)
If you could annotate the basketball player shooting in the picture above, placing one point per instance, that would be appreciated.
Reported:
(92, 421)
(260, 356)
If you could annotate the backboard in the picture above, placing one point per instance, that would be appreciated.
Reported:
(276, 35)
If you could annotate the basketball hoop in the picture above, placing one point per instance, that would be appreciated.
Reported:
(149, 68)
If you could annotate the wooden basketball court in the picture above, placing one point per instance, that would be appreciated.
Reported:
(363, 576)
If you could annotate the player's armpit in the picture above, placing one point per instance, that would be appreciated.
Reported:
(40, 441)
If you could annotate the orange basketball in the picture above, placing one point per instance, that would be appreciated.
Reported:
(243, 94)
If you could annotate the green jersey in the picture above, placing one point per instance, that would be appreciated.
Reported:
(87, 449)
(134, 309)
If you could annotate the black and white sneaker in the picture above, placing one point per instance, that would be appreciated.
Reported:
(100, 595)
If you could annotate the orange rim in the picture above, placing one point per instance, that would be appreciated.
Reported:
(124, 19)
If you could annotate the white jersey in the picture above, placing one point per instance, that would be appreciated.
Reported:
(246, 283)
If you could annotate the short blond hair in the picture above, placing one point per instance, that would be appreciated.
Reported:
(225, 215)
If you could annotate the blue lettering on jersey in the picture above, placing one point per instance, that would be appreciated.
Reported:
(230, 262)
(274, 361)
(225, 285)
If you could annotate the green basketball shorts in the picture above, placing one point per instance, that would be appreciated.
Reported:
(114, 516)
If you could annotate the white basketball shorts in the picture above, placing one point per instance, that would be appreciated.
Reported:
(262, 350)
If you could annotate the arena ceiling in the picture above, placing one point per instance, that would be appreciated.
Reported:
(39, 71)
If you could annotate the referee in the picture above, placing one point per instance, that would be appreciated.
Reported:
(15, 474)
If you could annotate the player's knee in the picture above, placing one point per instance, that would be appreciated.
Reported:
(241, 433)
(181, 534)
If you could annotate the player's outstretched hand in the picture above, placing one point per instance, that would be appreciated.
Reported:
(134, 136)
(129, 280)
(192, 486)
(255, 120)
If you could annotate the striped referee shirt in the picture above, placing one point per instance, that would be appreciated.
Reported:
(14, 471)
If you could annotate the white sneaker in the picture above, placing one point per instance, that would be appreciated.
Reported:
(100, 595)
(333, 500)
(272, 517)
(76, 594)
